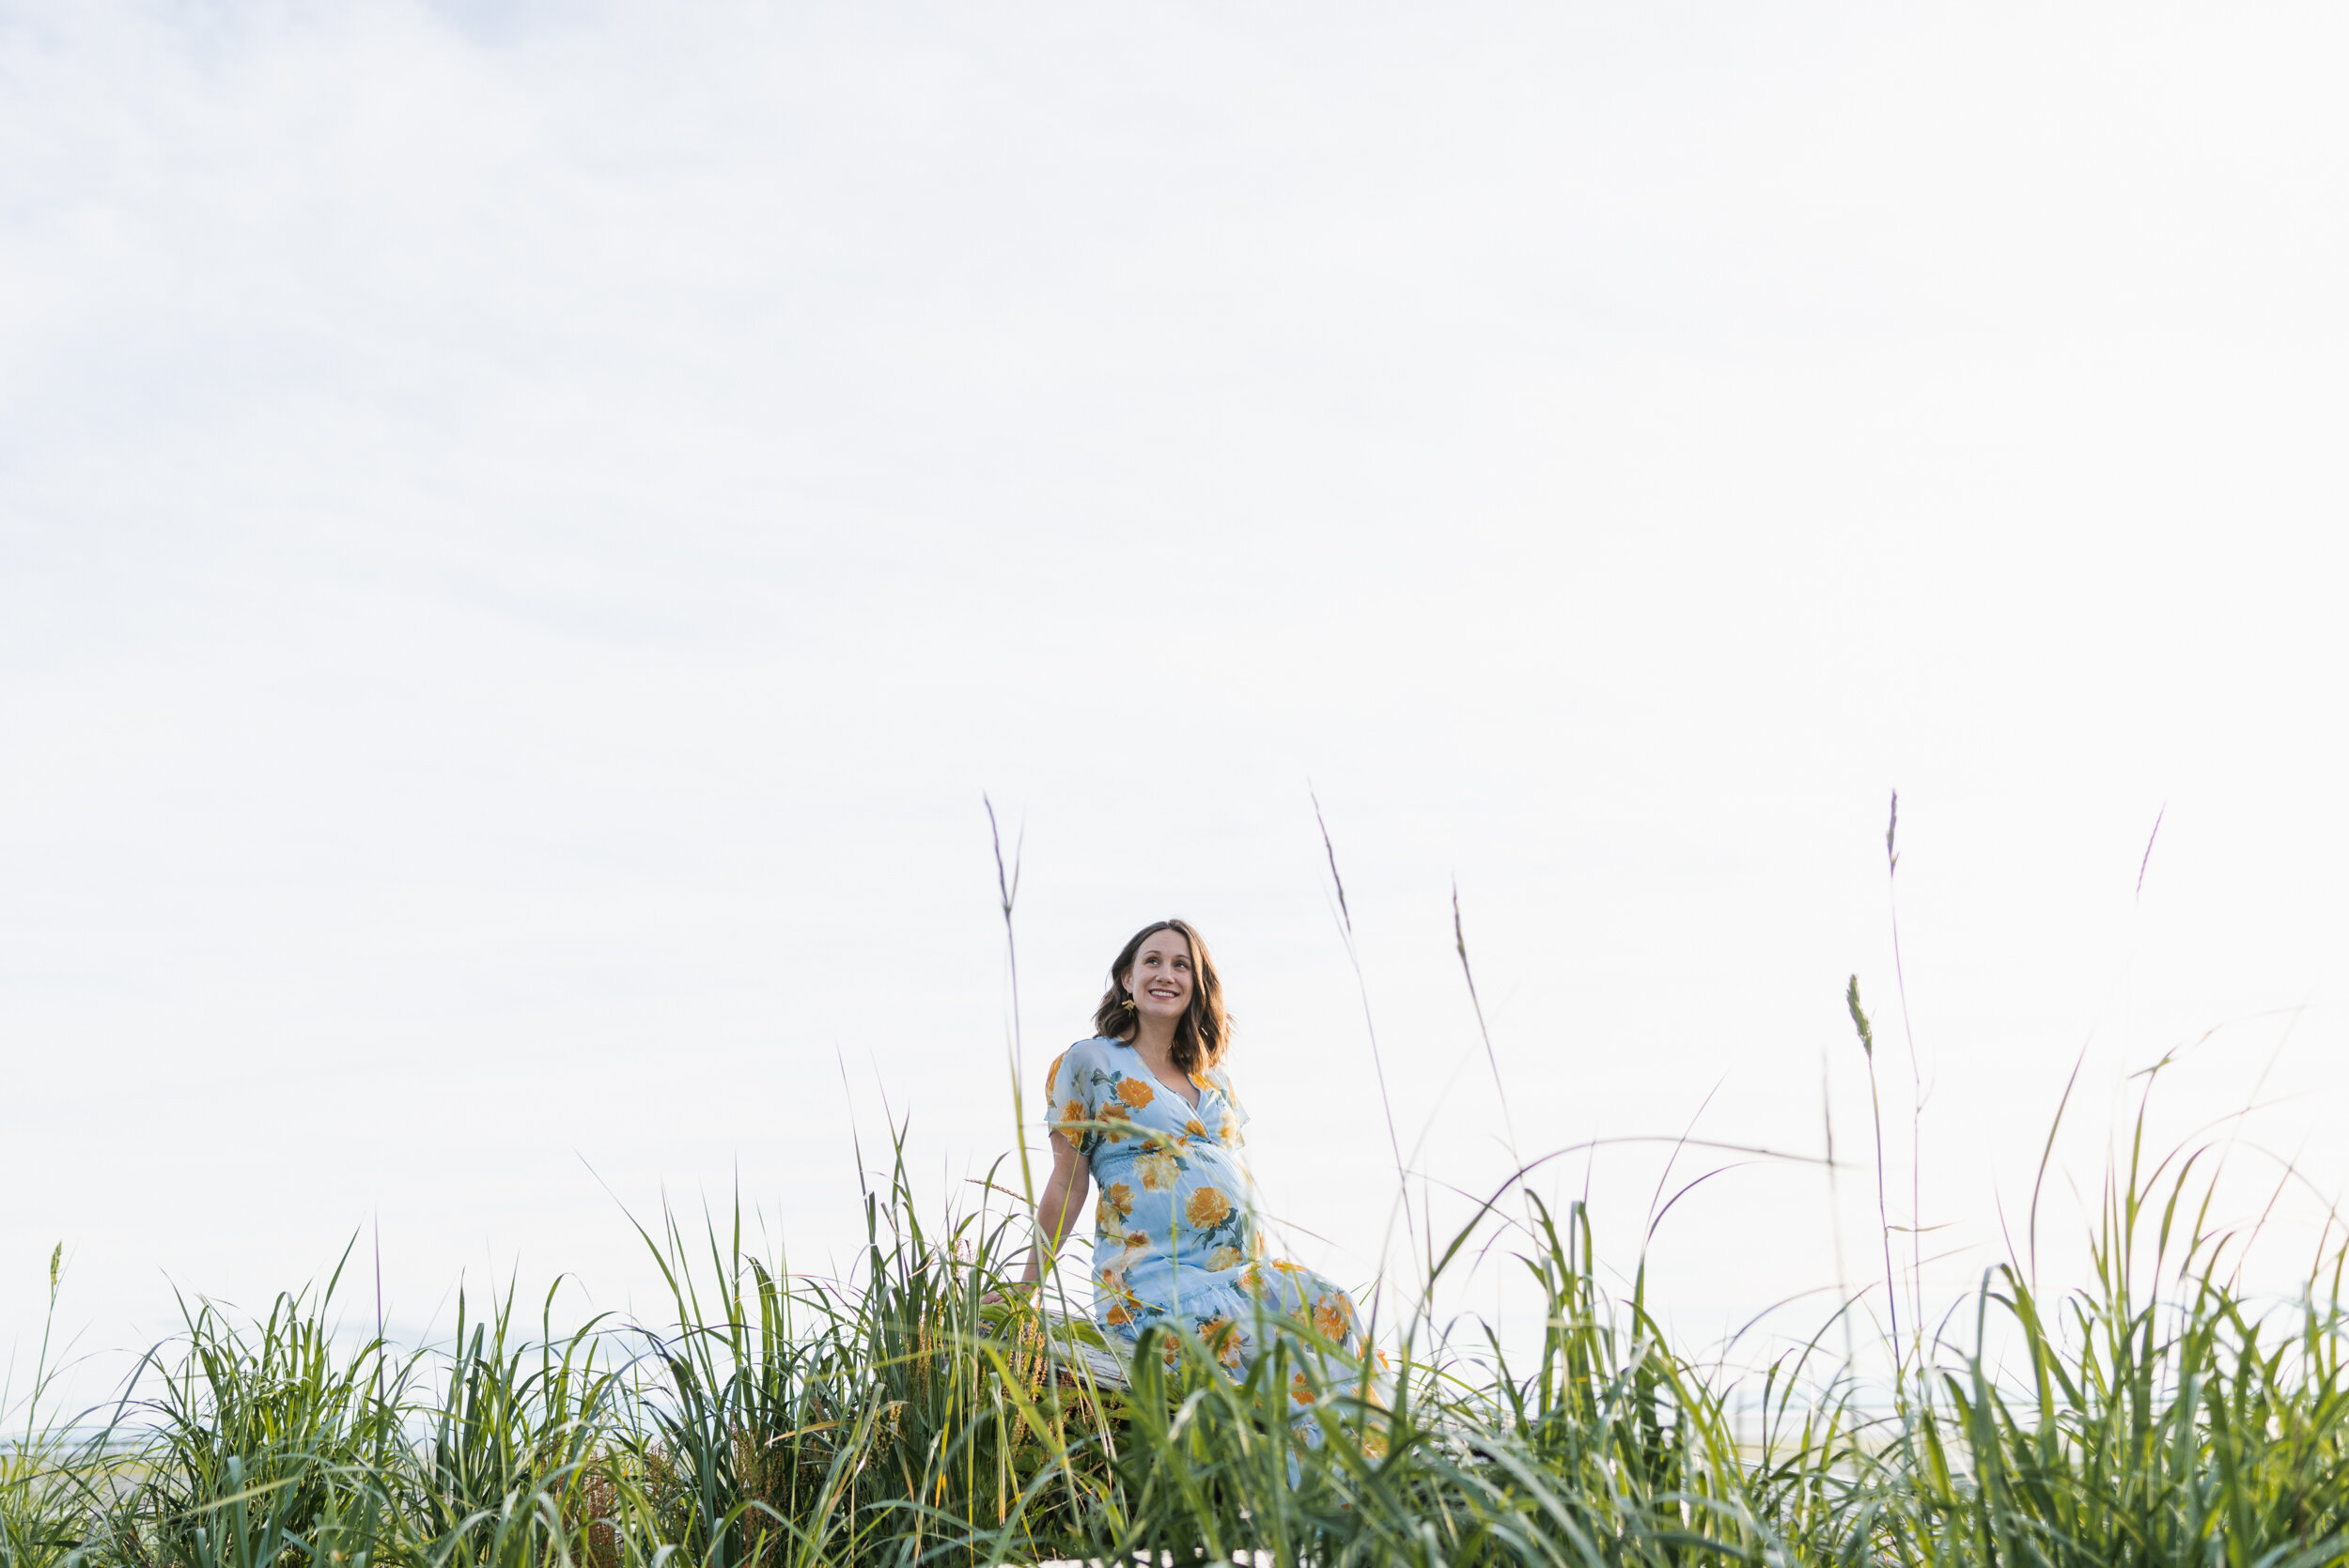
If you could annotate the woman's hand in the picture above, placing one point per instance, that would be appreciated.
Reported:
(1063, 1198)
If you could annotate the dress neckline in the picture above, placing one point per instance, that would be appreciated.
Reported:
(1203, 1088)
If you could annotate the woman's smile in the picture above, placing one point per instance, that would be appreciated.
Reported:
(1161, 976)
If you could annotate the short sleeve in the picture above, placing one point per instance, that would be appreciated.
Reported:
(1072, 1096)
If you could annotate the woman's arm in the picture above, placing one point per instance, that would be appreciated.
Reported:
(1057, 1209)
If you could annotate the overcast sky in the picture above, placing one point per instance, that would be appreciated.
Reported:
(526, 531)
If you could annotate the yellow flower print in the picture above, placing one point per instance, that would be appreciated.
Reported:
(1115, 1114)
(1333, 1317)
(1134, 1091)
(1208, 1208)
(1117, 1199)
(1227, 1133)
(1120, 1295)
(1224, 1257)
(1251, 1279)
(1300, 1389)
(1071, 1116)
(1193, 1129)
(1223, 1339)
(1160, 1170)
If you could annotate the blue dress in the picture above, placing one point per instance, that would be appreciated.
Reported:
(1174, 1236)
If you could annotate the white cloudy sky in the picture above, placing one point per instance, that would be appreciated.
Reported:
(526, 531)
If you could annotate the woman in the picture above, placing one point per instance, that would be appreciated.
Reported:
(1145, 1110)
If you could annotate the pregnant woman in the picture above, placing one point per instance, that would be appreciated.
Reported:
(1145, 1111)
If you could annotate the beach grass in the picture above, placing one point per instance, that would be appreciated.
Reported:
(2159, 1415)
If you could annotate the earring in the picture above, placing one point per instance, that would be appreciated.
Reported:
(1128, 1004)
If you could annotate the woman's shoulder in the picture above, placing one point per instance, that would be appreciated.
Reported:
(1086, 1054)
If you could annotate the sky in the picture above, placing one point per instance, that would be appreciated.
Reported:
(530, 535)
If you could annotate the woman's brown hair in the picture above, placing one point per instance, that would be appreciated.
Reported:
(1204, 1033)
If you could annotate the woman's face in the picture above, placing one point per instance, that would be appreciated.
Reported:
(1160, 979)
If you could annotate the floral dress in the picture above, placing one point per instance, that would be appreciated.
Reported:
(1174, 1238)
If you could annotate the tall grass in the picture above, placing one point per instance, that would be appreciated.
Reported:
(2158, 1416)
